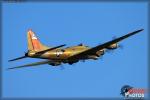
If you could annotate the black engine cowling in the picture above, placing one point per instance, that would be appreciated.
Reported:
(100, 52)
(113, 46)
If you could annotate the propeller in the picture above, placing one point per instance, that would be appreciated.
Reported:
(18, 58)
(82, 60)
(62, 67)
(120, 46)
(101, 57)
(74, 64)
(109, 51)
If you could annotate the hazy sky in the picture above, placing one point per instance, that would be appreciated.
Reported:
(90, 23)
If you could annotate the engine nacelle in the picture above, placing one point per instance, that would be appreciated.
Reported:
(95, 57)
(113, 46)
(100, 52)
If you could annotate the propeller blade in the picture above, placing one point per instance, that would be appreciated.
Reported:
(17, 58)
(83, 60)
(109, 51)
(121, 46)
(62, 67)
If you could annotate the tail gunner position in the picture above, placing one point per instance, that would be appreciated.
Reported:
(57, 55)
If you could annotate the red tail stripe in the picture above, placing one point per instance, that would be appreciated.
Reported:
(35, 42)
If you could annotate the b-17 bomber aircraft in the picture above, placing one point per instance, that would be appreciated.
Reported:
(57, 55)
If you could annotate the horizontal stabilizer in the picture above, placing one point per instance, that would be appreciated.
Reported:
(41, 52)
(17, 58)
(32, 64)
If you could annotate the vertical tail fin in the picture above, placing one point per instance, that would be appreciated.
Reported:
(33, 42)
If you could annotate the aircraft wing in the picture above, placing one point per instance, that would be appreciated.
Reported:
(33, 64)
(40, 52)
(102, 46)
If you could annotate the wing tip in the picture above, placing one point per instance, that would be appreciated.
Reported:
(10, 60)
(139, 30)
(9, 69)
